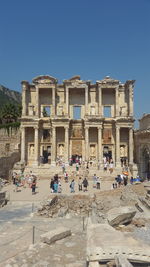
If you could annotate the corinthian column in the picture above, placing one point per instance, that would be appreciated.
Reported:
(100, 144)
(23, 144)
(67, 101)
(24, 102)
(66, 144)
(131, 146)
(130, 99)
(53, 100)
(117, 146)
(53, 145)
(37, 101)
(86, 143)
(86, 100)
(36, 145)
(117, 101)
(99, 100)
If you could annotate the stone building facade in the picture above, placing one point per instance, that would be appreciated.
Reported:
(76, 118)
(142, 146)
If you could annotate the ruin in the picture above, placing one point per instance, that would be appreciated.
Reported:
(76, 119)
(142, 146)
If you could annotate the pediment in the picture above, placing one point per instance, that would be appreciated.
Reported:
(44, 79)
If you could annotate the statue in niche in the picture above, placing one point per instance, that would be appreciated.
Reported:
(31, 150)
(92, 150)
(77, 132)
(61, 149)
(122, 151)
(92, 110)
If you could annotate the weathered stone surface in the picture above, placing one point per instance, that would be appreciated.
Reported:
(122, 261)
(55, 235)
(120, 215)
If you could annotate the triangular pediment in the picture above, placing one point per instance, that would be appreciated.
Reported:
(44, 79)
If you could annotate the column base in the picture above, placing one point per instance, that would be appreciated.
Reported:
(118, 164)
(53, 163)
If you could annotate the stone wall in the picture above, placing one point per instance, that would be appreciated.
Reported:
(9, 142)
(7, 163)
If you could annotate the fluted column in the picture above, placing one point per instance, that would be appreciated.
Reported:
(37, 102)
(67, 101)
(99, 101)
(53, 145)
(66, 144)
(36, 145)
(23, 144)
(53, 101)
(86, 100)
(86, 143)
(130, 100)
(117, 101)
(131, 146)
(117, 146)
(100, 144)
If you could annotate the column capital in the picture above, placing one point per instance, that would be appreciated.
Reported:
(87, 127)
(100, 127)
(36, 127)
(118, 127)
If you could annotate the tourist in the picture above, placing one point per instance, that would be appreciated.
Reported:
(77, 166)
(98, 185)
(52, 185)
(55, 187)
(105, 166)
(131, 180)
(80, 181)
(14, 177)
(72, 186)
(66, 177)
(59, 187)
(63, 167)
(33, 186)
(85, 184)
(94, 180)
(111, 166)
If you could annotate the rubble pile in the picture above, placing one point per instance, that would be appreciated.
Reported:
(60, 205)
(100, 205)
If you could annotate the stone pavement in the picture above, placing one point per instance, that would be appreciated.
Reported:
(43, 190)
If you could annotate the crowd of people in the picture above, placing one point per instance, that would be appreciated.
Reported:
(21, 180)
(56, 184)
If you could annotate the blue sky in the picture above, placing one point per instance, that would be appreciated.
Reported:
(62, 38)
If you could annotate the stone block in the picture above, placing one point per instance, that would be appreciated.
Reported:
(121, 215)
(54, 235)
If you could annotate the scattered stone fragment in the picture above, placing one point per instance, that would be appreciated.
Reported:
(55, 235)
(120, 215)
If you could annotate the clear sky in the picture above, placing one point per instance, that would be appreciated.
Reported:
(91, 38)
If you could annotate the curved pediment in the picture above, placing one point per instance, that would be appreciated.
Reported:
(44, 79)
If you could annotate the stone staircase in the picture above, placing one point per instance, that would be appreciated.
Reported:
(48, 171)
